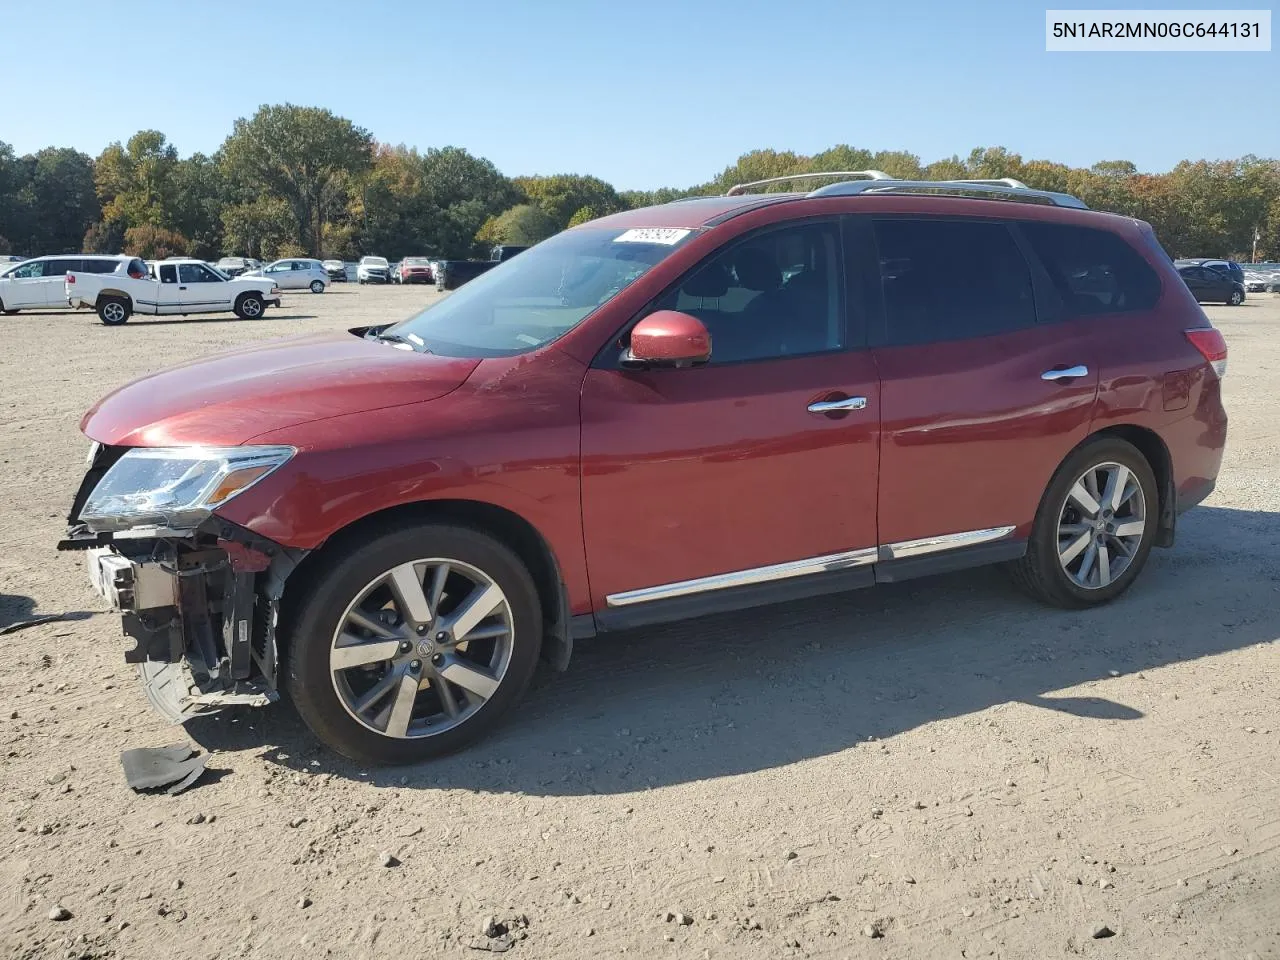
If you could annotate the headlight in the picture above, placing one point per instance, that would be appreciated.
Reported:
(175, 487)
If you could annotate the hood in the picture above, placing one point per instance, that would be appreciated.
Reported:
(229, 398)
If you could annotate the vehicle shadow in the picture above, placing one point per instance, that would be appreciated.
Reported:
(137, 322)
(763, 688)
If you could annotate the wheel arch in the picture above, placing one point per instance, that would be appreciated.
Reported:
(505, 525)
(1156, 452)
(114, 292)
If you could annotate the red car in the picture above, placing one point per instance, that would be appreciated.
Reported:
(416, 270)
(711, 404)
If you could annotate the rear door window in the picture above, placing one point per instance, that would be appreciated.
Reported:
(1094, 271)
(952, 280)
(99, 265)
(60, 266)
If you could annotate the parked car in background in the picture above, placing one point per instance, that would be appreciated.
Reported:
(1229, 267)
(395, 271)
(505, 251)
(373, 270)
(1212, 286)
(39, 282)
(234, 266)
(296, 274)
(416, 270)
(9, 258)
(540, 436)
(170, 287)
(451, 274)
(336, 269)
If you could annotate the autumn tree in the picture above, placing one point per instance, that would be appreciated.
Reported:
(297, 154)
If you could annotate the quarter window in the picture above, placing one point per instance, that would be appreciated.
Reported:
(776, 294)
(1094, 271)
(168, 273)
(952, 280)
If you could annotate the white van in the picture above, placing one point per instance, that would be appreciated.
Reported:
(38, 282)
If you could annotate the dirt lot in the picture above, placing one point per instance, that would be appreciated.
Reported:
(936, 769)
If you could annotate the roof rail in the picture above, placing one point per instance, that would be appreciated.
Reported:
(1004, 189)
(872, 175)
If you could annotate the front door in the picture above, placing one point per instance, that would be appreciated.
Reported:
(25, 286)
(732, 474)
(980, 401)
(200, 290)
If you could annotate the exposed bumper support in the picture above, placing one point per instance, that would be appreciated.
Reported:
(202, 613)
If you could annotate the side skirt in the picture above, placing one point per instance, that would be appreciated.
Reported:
(884, 569)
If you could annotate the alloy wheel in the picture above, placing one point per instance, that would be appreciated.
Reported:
(113, 313)
(422, 648)
(252, 307)
(1101, 525)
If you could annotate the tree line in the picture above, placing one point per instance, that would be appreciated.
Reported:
(294, 181)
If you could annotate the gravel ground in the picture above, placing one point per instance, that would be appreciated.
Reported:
(931, 769)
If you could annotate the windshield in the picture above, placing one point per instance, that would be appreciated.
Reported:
(540, 295)
(374, 261)
(416, 261)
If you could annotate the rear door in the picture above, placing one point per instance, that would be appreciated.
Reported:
(980, 401)
(168, 291)
(55, 276)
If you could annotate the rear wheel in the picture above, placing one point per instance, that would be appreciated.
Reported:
(413, 644)
(249, 306)
(113, 311)
(1235, 299)
(317, 286)
(1094, 528)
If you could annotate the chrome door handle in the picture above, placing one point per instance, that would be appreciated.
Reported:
(1065, 373)
(833, 406)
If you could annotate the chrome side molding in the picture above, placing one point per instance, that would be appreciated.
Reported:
(741, 578)
(950, 541)
(801, 568)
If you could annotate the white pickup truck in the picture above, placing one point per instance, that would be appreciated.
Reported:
(173, 286)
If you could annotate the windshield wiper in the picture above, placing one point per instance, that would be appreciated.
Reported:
(412, 343)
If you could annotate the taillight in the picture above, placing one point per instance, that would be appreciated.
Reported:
(1210, 342)
(71, 278)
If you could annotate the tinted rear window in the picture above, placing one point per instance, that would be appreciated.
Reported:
(1094, 271)
(952, 280)
(97, 265)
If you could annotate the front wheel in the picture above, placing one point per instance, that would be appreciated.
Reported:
(250, 306)
(412, 644)
(317, 286)
(113, 311)
(1094, 528)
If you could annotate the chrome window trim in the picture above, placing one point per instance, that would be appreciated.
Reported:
(739, 578)
(800, 568)
(950, 541)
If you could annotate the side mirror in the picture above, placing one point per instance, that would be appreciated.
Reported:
(668, 338)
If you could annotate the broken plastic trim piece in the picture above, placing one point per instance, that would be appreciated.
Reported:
(149, 768)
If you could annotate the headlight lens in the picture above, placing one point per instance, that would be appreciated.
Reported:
(175, 487)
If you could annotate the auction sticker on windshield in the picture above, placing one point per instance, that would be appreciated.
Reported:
(664, 235)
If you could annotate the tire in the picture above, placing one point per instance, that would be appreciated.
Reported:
(1235, 299)
(114, 311)
(317, 286)
(250, 306)
(328, 697)
(1044, 575)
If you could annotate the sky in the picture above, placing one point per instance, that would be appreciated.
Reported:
(641, 94)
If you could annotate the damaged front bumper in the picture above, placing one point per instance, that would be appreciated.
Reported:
(201, 606)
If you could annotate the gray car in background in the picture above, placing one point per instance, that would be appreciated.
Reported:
(297, 274)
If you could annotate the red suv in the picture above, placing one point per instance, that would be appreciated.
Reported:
(715, 403)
